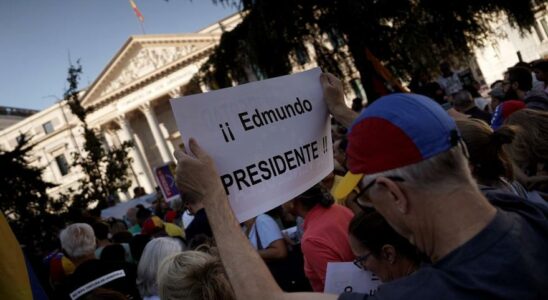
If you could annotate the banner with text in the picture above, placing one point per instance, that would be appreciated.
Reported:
(270, 139)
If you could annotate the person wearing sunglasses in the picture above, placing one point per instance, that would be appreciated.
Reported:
(380, 249)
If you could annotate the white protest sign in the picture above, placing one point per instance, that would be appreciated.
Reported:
(270, 139)
(345, 277)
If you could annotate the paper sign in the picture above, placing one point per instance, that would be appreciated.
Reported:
(270, 140)
(166, 181)
(345, 277)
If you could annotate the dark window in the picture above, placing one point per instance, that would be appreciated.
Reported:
(48, 127)
(357, 87)
(335, 38)
(19, 138)
(62, 164)
(258, 72)
(539, 33)
(302, 56)
(544, 26)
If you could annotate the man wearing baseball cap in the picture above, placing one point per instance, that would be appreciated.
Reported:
(405, 154)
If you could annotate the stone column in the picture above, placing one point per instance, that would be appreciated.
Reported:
(107, 133)
(158, 138)
(138, 161)
(165, 134)
(139, 146)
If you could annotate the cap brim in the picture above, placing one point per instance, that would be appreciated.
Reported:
(346, 185)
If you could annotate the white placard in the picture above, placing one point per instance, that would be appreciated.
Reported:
(270, 139)
(119, 210)
(345, 277)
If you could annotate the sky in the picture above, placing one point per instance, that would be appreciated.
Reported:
(38, 37)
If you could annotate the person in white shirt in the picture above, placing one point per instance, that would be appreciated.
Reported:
(449, 80)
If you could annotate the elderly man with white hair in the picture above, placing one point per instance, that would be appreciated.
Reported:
(78, 242)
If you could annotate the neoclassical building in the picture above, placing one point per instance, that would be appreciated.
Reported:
(130, 102)
(130, 98)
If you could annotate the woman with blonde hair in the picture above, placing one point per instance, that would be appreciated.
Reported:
(193, 275)
(529, 149)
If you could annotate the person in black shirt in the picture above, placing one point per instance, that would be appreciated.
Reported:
(78, 241)
(464, 103)
(200, 224)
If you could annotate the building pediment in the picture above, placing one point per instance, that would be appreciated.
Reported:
(143, 57)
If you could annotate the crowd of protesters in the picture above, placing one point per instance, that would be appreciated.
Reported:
(441, 193)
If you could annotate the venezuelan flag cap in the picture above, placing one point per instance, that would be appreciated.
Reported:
(504, 110)
(395, 131)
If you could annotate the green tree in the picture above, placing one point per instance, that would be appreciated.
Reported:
(106, 171)
(23, 197)
(407, 36)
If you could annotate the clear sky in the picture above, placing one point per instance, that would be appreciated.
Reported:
(36, 37)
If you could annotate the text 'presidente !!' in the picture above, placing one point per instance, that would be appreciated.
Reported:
(276, 165)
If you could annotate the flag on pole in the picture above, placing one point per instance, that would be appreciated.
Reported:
(137, 11)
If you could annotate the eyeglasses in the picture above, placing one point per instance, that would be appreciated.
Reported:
(362, 204)
(360, 261)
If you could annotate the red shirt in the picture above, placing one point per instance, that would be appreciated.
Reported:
(325, 239)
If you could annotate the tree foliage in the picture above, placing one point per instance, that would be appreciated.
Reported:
(23, 197)
(105, 170)
(407, 36)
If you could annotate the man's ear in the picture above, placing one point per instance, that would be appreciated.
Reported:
(394, 193)
(388, 253)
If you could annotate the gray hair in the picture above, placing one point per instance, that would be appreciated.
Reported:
(155, 251)
(131, 215)
(443, 172)
(78, 240)
(462, 99)
(177, 204)
(193, 275)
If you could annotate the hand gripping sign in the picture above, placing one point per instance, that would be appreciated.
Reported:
(270, 140)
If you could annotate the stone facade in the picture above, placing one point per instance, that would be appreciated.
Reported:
(129, 102)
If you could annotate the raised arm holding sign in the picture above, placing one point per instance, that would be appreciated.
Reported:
(249, 276)
(270, 140)
(198, 178)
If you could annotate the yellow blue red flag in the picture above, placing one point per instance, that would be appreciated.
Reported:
(17, 281)
(137, 11)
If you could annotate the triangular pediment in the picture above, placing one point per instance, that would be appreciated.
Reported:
(144, 56)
